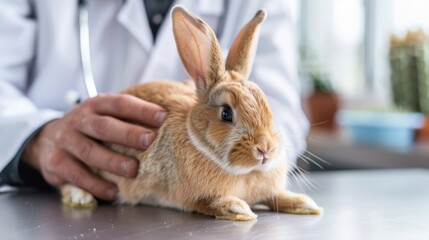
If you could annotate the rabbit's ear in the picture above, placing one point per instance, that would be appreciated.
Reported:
(198, 48)
(242, 52)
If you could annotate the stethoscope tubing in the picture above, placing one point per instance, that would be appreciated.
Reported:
(85, 53)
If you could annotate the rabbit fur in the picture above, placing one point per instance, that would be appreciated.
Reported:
(199, 162)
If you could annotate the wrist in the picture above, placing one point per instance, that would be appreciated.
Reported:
(29, 153)
(28, 167)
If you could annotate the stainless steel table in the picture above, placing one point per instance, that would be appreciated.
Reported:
(370, 204)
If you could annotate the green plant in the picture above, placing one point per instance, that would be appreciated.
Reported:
(409, 67)
(321, 83)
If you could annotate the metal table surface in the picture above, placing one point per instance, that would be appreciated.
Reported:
(364, 204)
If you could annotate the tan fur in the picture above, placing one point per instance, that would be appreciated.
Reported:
(199, 162)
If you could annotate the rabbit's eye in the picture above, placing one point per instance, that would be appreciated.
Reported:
(227, 114)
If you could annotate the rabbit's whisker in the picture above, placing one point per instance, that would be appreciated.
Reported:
(294, 178)
(319, 123)
(317, 157)
(307, 160)
(306, 180)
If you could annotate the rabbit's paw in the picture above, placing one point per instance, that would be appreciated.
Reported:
(232, 208)
(308, 206)
(295, 203)
(75, 197)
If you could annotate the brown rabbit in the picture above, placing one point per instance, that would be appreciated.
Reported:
(218, 152)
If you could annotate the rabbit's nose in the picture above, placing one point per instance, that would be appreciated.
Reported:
(263, 155)
(264, 147)
(262, 152)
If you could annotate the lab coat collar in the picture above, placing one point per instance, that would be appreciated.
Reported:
(134, 18)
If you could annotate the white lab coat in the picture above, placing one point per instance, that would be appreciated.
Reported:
(40, 59)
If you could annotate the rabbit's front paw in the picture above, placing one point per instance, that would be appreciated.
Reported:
(308, 206)
(232, 208)
(295, 203)
(75, 197)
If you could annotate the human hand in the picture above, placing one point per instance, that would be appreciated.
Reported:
(64, 149)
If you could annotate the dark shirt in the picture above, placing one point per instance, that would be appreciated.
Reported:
(156, 11)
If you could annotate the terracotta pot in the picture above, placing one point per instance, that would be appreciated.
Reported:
(423, 133)
(322, 108)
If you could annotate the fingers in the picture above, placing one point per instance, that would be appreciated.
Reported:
(73, 172)
(110, 129)
(66, 146)
(129, 107)
(61, 168)
(99, 157)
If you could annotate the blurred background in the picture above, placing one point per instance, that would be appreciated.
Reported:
(364, 68)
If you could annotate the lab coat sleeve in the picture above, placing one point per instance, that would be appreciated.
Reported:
(18, 174)
(19, 117)
(275, 71)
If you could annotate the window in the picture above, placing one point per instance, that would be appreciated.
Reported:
(332, 41)
(349, 40)
(409, 15)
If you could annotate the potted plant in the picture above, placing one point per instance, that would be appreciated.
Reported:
(409, 68)
(322, 102)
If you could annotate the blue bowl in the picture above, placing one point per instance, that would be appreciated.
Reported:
(387, 129)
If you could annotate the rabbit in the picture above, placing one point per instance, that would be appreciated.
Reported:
(218, 153)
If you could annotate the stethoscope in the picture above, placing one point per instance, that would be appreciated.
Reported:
(88, 76)
(85, 54)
